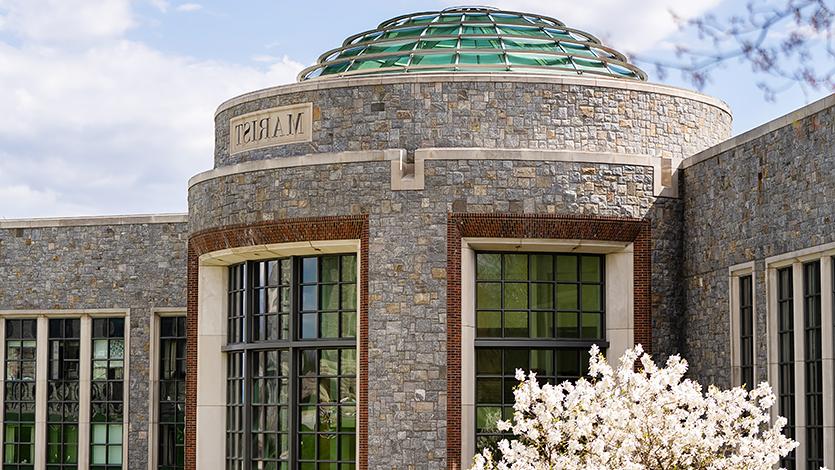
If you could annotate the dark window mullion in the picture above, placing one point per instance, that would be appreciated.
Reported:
(746, 330)
(813, 365)
(247, 363)
(293, 396)
(785, 332)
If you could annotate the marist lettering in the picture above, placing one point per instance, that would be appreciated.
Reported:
(271, 127)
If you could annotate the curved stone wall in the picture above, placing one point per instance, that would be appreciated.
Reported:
(408, 260)
(458, 110)
(629, 127)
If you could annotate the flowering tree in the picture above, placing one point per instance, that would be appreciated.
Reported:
(649, 419)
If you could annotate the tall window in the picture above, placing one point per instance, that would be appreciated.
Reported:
(107, 393)
(746, 331)
(534, 311)
(292, 364)
(172, 393)
(785, 360)
(813, 362)
(62, 393)
(19, 406)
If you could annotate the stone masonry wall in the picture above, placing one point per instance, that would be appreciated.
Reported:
(766, 197)
(407, 261)
(415, 113)
(137, 267)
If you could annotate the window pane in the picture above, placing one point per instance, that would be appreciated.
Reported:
(542, 362)
(542, 296)
(567, 296)
(488, 361)
(515, 266)
(516, 324)
(19, 404)
(591, 269)
(333, 418)
(349, 268)
(489, 295)
(310, 270)
(487, 417)
(542, 324)
(62, 392)
(321, 305)
(515, 296)
(489, 391)
(488, 266)
(171, 392)
(488, 324)
(330, 269)
(591, 297)
(566, 268)
(107, 391)
(592, 326)
(542, 267)
(567, 325)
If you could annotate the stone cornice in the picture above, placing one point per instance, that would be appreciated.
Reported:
(137, 219)
(474, 77)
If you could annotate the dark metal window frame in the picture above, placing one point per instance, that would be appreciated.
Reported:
(785, 355)
(169, 458)
(18, 383)
(554, 344)
(813, 363)
(293, 344)
(59, 341)
(746, 330)
(110, 400)
(579, 341)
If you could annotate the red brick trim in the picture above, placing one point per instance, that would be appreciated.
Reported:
(283, 231)
(533, 226)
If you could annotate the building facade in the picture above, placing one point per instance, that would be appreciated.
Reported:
(435, 203)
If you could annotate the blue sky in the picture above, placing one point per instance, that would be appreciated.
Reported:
(108, 104)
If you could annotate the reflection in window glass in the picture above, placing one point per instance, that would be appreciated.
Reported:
(327, 407)
(539, 296)
(172, 393)
(534, 309)
(62, 393)
(107, 393)
(19, 403)
(279, 377)
(495, 380)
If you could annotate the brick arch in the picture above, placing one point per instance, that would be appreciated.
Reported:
(264, 233)
(543, 226)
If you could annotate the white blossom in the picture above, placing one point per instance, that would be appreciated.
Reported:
(652, 418)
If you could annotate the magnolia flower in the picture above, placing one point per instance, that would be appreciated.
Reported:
(649, 419)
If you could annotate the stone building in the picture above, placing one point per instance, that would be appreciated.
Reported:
(436, 202)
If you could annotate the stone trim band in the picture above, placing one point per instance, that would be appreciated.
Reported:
(534, 226)
(263, 233)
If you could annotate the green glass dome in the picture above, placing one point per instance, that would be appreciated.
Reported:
(472, 39)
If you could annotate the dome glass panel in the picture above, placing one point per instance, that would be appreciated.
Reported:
(472, 39)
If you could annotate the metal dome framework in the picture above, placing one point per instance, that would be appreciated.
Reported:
(472, 39)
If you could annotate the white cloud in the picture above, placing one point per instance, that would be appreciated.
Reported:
(111, 126)
(161, 5)
(22, 199)
(66, 20)
(189, 7)
(628, 26)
